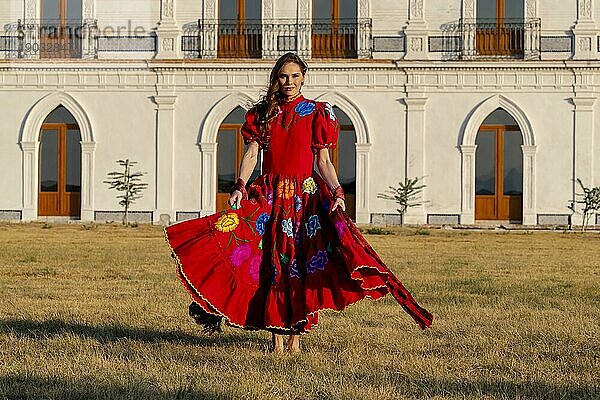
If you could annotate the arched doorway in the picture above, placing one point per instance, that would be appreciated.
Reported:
(344, 160)
(59, 191)
(230, 149)
(499, 169)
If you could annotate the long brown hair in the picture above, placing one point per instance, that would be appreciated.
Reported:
(266, 108)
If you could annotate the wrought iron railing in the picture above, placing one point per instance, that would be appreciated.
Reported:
(50, 39)
(270, 38)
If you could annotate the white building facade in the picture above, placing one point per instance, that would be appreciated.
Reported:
(491, 102)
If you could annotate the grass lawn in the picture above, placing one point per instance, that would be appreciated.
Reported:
(97, 312)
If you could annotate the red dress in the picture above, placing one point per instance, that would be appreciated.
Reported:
(282, 257)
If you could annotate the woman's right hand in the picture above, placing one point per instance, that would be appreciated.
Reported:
(235, 199)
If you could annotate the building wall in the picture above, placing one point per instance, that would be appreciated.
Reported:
(123, 94)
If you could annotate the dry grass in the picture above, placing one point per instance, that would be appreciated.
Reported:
(97, 313)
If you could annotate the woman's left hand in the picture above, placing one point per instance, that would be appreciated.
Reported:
(339, 203)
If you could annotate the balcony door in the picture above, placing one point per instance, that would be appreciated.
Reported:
(59, 191)
(499, 169)
(230, 149)
(240, 29)
(335, 28)
(500, 27)
(60, 29)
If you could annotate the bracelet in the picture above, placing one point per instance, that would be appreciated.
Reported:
(241, 186)
(338, 193)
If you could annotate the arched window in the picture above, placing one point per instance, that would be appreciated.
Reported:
(499, 169)
(60, 165)
(230, 149)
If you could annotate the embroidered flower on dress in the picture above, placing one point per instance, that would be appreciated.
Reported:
(261, 221)
(275, 273)
(294, 271)
(285, 188)
(313, 225)
(297, 234)
(340, 227)
(287, 227)
(227, 222)
(305, 108)
(309, 185)
(284, 258)
(297, 203)
(269, 197)
(240, 254)
(254, 267)
(329, 110)
(317, 262)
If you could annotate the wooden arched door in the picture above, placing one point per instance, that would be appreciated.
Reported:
(499, 169)
(59, 191)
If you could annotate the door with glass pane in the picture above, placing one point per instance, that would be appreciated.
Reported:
(499, 173)
(500, 28)
(60, 29)
(343, 158)
(240, 29)
(230, 149)
(60, 171)
(334, 29)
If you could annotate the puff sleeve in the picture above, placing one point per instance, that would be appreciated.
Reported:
(250, 131)
(325, 128)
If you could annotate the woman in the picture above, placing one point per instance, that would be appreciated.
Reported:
(286, 249)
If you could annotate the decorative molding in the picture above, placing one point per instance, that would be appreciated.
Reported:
(127, 43)
(556, 44)
(585, 9)
(268, 10)
(167, 9)
(416, 9)
(30, 9)
(88, 9)
(364, 9)
(468, 9)
(531, 8)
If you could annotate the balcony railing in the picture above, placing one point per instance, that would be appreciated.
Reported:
(491, 39)
(51, 39)
(270, 38)
(501, 38)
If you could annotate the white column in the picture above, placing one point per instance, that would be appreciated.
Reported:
(87, 180)
(416, 32)
(585, 32)
(208, 184)
(167, 32)
(583, 131)
(30, 180)
(304, 37)
(529, 199)
(165, 140)
(363, 212)
(467, 212)
(209, 30)
(415, 154)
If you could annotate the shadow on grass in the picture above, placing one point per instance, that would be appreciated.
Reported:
(37, 330)
(34, 387)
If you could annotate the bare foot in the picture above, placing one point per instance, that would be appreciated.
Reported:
(293, 343)
(277, 344)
